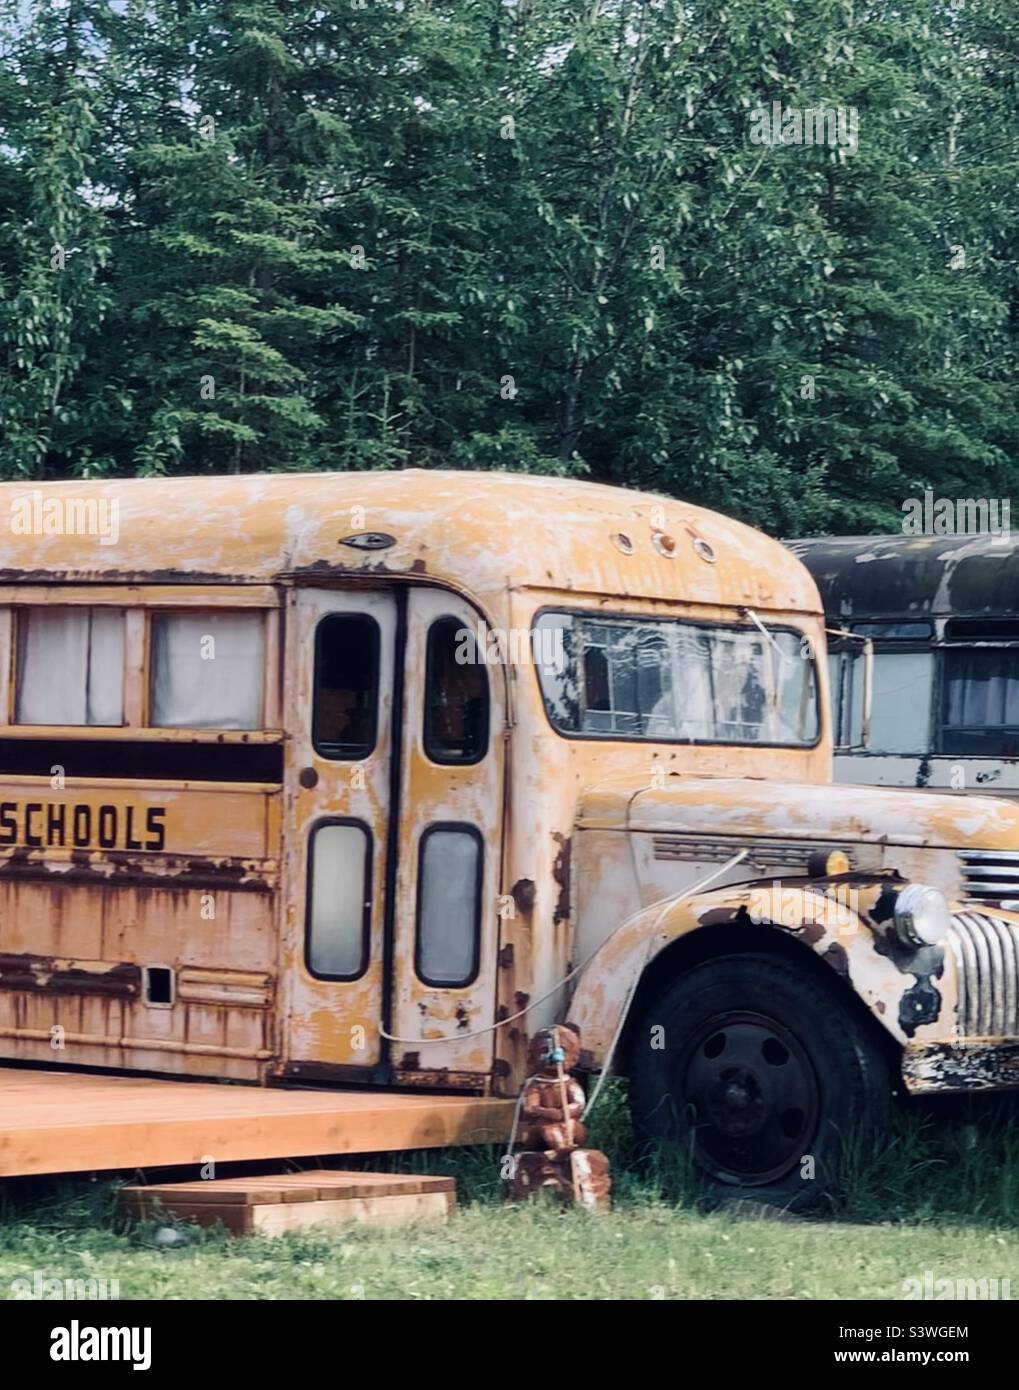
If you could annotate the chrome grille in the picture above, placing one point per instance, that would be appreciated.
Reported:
(989, 875)
(987, 956)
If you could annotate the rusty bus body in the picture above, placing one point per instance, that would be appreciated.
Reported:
(352, 854)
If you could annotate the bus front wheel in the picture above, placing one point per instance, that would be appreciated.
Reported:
(760, 1071)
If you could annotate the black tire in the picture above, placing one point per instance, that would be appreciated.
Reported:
(761, 1065)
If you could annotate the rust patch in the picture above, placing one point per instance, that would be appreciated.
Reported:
(513, 968)
(443, 1080)
(323, 569)
(718, 917)
(561, 874)
(149, 576)
(43, 974)
(521, 1000)
(410, 1061)
(810, 932)
(838, 959)
(522, 893)
(946, 1066)
(921, 1003)
(117, 869)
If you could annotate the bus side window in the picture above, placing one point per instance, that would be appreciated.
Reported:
(345, 712)
(900, 718)
(70, 666)
(456, 695)
(980, 702)
(207, 670)
(903, 682)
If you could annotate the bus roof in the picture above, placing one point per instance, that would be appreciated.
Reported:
(902, 577)
(482, 532)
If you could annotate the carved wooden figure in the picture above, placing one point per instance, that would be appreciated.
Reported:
(552, 1136)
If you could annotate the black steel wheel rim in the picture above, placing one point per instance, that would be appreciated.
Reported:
(748, 1088)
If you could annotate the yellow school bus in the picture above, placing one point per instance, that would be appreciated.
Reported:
(359, 779)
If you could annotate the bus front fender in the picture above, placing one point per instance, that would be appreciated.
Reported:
(904, 990)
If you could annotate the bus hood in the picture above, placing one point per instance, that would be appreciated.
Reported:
(745, 809)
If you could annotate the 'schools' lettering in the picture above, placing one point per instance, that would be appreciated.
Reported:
(59, 824)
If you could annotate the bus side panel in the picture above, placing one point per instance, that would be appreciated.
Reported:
(147, 961)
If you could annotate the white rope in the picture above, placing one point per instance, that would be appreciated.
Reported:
(670, 903)
(516, 1117)
(533, 1003)
(502, 1022)
(690, 892)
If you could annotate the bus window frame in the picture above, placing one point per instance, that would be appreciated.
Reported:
(937, 645)
(361, 751)
(944, 645)
(139, 602)
(902, 646)
(475, 834)
(321, 823)
(597, 614)
(431, 751)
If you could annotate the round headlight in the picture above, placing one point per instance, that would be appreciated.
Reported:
(922, 917)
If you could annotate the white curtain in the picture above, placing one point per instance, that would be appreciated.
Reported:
(106, 667)
(70, 666)
(691, 711)
(207, 670)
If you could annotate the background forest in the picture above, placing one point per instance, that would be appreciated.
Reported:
(263, 234)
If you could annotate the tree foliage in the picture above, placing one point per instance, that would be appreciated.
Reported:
(538, 234)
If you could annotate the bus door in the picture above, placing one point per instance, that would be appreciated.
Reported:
(340, 666)
(450, 817)
(394, 790)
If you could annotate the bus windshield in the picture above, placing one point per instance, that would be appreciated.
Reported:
(665, 680)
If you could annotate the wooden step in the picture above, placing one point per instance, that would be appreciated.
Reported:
(295, 1201)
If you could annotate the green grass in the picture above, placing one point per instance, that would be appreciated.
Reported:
(642, 1250)
(943, 1196)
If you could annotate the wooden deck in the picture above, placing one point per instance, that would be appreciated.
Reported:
(63, 1122)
